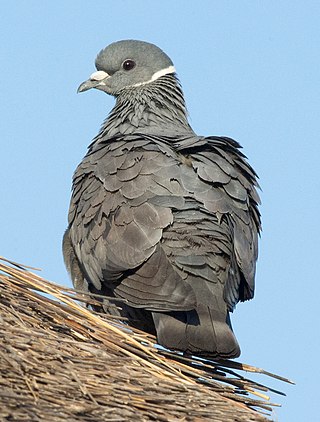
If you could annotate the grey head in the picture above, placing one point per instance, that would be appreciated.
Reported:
(126, 64)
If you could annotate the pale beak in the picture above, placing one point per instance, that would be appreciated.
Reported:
(96, 80)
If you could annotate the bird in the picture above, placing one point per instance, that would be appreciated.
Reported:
(163, 223)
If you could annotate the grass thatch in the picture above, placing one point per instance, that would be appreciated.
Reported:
(61, 361)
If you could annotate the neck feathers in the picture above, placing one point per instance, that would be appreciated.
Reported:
(153, 107)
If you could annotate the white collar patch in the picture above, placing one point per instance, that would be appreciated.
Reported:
(157, 75)
(162, 72)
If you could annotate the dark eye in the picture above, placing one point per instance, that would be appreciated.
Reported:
(128, 64)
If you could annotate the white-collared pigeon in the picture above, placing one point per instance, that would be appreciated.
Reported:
(161, 219)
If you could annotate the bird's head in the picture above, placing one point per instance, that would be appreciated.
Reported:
(128, 64)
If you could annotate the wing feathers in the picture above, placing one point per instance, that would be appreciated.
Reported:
(168, 224)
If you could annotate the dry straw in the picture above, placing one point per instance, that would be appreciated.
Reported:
(61, 361)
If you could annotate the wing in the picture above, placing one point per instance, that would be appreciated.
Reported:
(116, 229)
(231, 196)
(140, 206)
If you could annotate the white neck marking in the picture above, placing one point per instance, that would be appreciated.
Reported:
(162, 72)
(157, 75)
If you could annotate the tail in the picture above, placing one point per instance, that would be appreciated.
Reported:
(203, 331)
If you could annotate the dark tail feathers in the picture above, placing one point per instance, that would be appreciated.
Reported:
(203, 331)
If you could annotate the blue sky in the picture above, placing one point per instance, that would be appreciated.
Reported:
(250, 70)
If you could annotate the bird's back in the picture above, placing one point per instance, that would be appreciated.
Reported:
(150, 227)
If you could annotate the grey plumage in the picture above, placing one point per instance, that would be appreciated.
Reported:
(159, 217)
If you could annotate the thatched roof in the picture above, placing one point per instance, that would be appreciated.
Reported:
(61, 361)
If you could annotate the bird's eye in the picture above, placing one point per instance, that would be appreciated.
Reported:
(128, 64)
